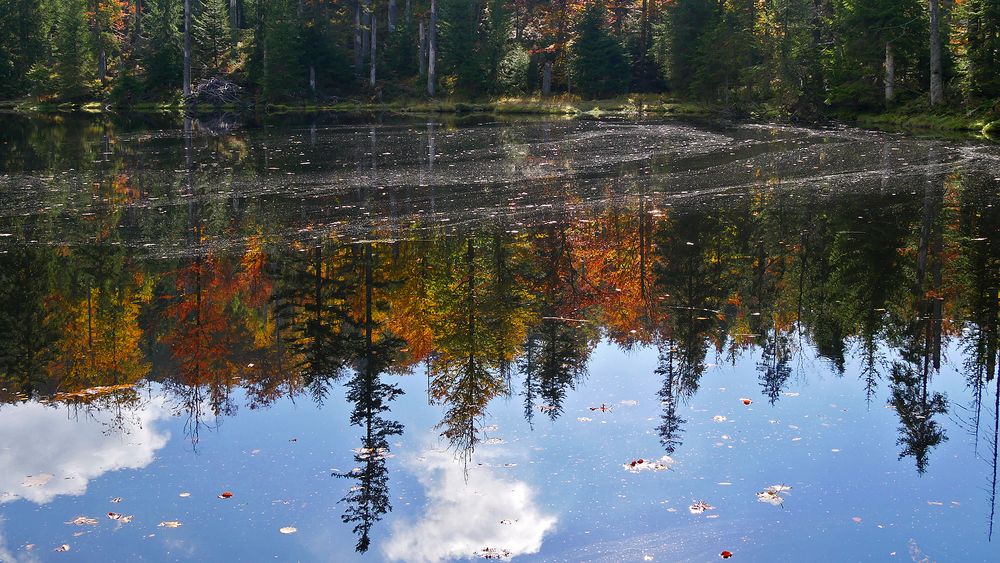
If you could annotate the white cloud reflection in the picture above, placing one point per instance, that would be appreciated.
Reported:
(463, 516)
(44, 452)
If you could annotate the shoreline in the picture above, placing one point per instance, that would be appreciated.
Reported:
(974, 124)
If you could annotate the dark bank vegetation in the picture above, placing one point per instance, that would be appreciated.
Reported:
(929, 64)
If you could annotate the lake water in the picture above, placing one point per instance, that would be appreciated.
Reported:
(332, 338)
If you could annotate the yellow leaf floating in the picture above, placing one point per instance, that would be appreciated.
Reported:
(63, 547)
(288, 530)
(170, 524)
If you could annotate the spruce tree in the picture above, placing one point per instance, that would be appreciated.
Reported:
(212, 38)
(460, 56)
(73, 63)
(162, 54)
(283, 76)
(20, 44)
(600, 67)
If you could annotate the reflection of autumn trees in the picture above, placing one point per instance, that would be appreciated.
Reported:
(870, 280)
(478, 321)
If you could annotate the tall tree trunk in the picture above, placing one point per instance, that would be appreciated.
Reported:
(137, 33)
(432, 50)
(392, 15)
(366, 18)
(374, 42)
(547, 78)
(408, 12)
(187, 48)
(890, 73)
(359, 55)
(422, 48)
(937, 90)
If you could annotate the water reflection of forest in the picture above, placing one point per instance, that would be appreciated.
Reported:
(514, 308)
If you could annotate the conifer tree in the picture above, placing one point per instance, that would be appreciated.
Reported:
(73, 63)
(162, 57)
(283, 74)
(600, 66)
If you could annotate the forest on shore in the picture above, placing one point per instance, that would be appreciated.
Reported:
(800, 58)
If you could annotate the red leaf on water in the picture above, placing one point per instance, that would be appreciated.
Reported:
(726, 554)
(226, 494)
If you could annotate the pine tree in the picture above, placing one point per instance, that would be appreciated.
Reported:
(600, 66)
(212, 38)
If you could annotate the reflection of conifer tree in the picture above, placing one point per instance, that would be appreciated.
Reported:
(670, 421)
(465, 373)
(980, 236)
(26, 334)
(919, 432)
(691, 275)
(526, 365)
(311, 312)
(560, 355)
(369, 500)
(773, 366)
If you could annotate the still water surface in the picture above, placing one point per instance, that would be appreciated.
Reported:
(340, 339)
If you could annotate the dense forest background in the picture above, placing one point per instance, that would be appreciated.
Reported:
(801, 56)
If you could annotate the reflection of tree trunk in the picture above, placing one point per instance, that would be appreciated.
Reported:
(996, 434)
(392, 16)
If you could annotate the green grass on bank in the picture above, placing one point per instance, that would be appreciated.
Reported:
(917, 115)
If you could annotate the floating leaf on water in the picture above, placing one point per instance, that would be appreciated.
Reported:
(288, 530)
(83, 521)
(726, 554)
(719, 418)
(184, 495)
(120, 517)
(507, 522)
(225, 494)
(856, 519)
(492, 441)
(62, 548)
(602, 408)
(584, 419)
(773, 494)
(169, 524)
(643, 464)
(547, 408)
(116, 500)
(746, 401)
(699, 507)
